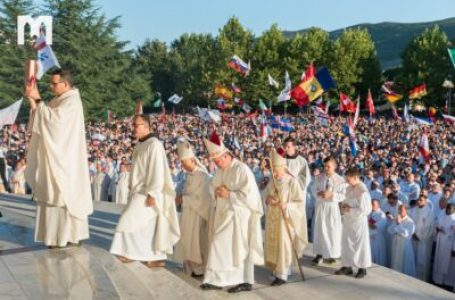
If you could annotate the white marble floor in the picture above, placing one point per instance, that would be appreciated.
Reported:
(30, 271)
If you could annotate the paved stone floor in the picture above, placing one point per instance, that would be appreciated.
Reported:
(30, 271)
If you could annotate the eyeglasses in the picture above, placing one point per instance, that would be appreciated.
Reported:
(55, 83)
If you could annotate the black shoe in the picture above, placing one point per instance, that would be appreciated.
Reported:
(329, 261)
(208, 286)
(196, 275)
(361, 273)
(243, 287)
(317, 260)
(278, 282)
(344, 271)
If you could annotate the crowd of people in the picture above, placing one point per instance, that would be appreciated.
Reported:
(411, 217)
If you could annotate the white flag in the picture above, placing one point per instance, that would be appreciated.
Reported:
(175, 99)
(46, 57)
(273, 82)
(8, 115)
(209, 114)
(406, 114)
(285, 94)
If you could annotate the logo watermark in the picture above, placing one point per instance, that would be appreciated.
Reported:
(35, 27)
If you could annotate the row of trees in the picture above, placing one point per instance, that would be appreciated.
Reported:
(113, 78)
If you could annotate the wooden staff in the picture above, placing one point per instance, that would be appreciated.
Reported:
(286, 222)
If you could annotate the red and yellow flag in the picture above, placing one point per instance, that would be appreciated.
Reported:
(418, 92)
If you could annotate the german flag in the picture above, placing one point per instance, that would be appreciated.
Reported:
(418, 92)
(393, 97)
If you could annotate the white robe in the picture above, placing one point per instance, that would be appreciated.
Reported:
(424, 226)
(235, 238)
(444, 263)
(122, 189)
(298, 167)
(355, 241)
(402, 257)
(196, 202)
(279, 255)
(148, 233)
(19, 186)
(327, 223)
(57, 171)
(377, 240)
(100, 187)
(393, 210)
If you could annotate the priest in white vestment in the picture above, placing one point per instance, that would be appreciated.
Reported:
(196, 202)
(122, 185)
(355, 241)
(422, 239)
(279, 255)
(148, 228)
(297, 164)
(444, 257)
(402, 253)
(235, 239)
(100, 184)
(57, 166)
(377, 223)
(390, 209)
(329, 191)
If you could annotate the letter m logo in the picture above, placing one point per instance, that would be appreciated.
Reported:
(35, 26)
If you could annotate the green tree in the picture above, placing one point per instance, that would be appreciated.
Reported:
(12, 55)
(267, 58)
(425, 59)
(354, 64)
(85, 43)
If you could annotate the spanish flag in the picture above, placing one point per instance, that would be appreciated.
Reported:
(418, 91)
(223, 92)
(393, 97)
(309, 90)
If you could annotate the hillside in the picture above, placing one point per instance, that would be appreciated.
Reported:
(391, 38)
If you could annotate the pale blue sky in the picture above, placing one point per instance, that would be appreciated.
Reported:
(166, 20)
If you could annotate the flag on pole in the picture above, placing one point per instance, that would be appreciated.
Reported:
(157, 103)
(46, 57)
(8, 115)
(310, 89)
(449, 119)
(273, 82)
(246, 108)
(221, 104)
(424, 147)
(175, 99)
(421, 121)
(393, 97)
(452, 55)
(285, 94)
(239, 65)
(109, 116)
(286, 125)
(321, 116)
(262, 105)
(309, 72)
(406, 114)
(418, 91)
(349, 131)
(235, 88)
(346, 104)
(223, 92)
(370, 104)
(357, 112)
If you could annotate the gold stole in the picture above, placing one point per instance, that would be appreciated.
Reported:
(272, 236)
